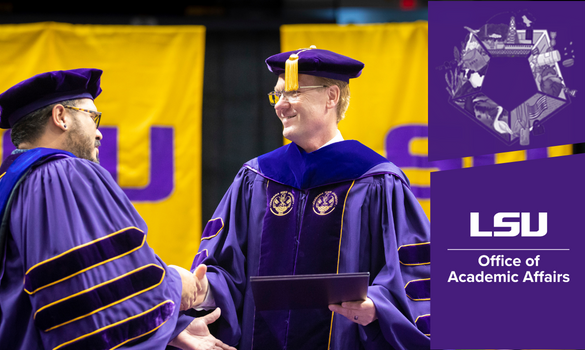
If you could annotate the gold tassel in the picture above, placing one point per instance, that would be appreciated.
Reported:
(291, 73)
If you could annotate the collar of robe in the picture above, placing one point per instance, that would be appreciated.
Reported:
(338, 162)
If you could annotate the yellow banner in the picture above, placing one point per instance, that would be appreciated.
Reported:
(388, 109)
(151, 104)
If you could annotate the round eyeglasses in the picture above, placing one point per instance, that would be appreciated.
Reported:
(291, 96)
(95, 115)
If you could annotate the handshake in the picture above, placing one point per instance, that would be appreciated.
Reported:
(195, 286)
(196, 336)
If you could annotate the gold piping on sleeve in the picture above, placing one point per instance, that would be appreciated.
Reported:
(428, 335)
(201, 252)
(408, 245)
(87, 268)
(422, 279)
(217, 233)
(100, 285)
(118, 323)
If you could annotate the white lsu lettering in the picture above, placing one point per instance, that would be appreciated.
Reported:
(515, 227)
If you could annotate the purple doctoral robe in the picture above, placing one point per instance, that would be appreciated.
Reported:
(76, 271)
(342, 208)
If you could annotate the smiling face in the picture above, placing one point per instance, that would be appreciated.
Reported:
(309, 121)
(83, 138)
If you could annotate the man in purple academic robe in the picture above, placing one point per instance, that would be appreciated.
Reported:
(318, 205)
(75, 269)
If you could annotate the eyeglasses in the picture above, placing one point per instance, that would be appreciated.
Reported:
(291, 96)
(96, 116)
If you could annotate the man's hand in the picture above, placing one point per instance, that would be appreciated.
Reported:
(194, 286)
(360, 312)
(197, 337)
(202, 283)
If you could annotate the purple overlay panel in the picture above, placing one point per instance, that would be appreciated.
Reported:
(119, 333)
(507, 255)
(504, 76)
(161, 183)
(419, 290)
(83, 258)
(415, 254)
(97, 298)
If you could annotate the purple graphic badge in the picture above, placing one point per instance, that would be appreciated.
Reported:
(512, 77)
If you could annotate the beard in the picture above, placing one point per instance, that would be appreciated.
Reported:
(82, 145)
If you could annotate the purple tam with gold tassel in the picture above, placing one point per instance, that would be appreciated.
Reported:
(313, 61)
(45, 89)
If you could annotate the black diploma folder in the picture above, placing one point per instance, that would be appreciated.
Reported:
(292, 292)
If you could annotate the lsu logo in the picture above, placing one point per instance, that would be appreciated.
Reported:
(282, 203)
(515, 222)
(325, 203)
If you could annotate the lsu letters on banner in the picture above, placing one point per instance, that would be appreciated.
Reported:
(152, 95)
